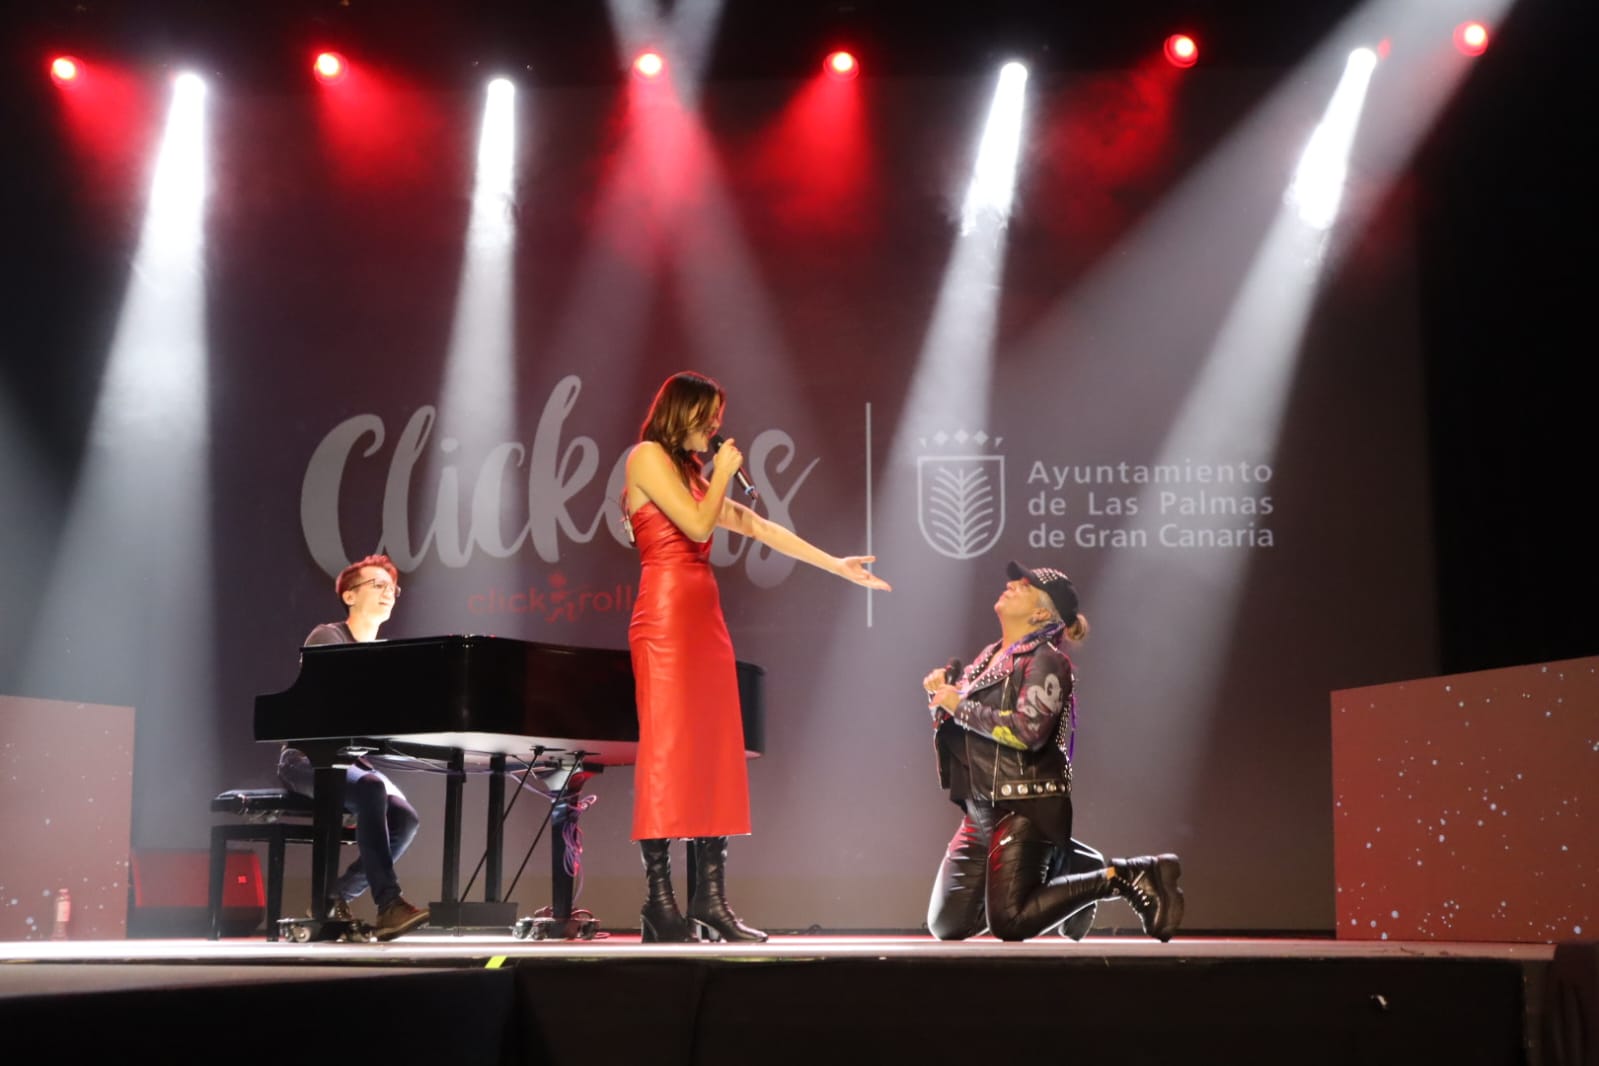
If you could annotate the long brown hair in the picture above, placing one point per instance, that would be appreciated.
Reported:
(686, 402)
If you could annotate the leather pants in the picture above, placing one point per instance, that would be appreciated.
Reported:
(996, 874)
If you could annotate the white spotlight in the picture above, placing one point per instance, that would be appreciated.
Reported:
(477, 401)
(1318, 184)
(144, 493)
(172, 222)
(494, 195)
(189, 84)
(954, 373)
(994, 175)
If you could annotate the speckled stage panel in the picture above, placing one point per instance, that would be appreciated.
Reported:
(66, 800)
(1466, 807)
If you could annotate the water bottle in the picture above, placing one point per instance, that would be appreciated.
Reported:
(63, 915)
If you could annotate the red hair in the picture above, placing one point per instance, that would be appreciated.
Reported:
(351, 575)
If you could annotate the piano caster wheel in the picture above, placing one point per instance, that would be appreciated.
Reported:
(581, 925)
(305, 930)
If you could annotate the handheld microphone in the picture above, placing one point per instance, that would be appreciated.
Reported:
(952, 676)
(744, 481)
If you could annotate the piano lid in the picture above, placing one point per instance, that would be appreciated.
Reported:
(476, 693)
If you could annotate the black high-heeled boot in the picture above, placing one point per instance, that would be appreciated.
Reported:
(707, 907)
(660, 921)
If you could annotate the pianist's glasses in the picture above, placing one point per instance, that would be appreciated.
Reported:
(378, 585)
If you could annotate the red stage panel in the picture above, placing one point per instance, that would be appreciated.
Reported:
(1466, 807)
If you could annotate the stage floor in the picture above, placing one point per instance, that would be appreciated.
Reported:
(432, 949)
(504, 1001)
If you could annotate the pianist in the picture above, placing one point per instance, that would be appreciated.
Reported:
(385, 823)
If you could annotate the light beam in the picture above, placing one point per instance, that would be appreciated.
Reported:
(137, 539)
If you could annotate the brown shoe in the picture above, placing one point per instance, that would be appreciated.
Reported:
(396, 918)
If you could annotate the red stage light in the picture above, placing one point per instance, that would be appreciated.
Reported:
(841, 65)
(1471, 38)
(64, 70)
(1182, 50)
(329, 67)
(649, 65)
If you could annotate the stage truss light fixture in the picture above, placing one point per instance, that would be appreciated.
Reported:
(1471, 38)
(64, 70)
(1181, 50)
(841, 65)
(649, 65)
(329, 67)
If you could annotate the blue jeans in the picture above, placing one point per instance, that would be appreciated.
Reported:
(385, 824)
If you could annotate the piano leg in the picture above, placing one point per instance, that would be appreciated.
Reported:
(451, 911)
(565, 857)
(327, 822)
(561, 881)
(495, 837)
(560, 921)
(454, 781)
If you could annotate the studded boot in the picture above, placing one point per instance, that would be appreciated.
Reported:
(708, 909)
(660, 921)
(1149, 884)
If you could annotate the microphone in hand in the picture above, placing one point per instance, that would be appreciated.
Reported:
(951, 675)
(744, 481)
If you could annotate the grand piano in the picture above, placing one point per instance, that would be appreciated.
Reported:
(462, 700)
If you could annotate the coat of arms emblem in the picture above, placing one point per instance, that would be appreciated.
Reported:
(960, 500)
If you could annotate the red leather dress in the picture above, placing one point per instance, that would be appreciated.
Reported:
(690, 779)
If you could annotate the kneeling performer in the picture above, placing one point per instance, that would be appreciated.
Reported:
(1004, 729)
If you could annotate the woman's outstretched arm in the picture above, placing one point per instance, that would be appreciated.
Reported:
(739, 519)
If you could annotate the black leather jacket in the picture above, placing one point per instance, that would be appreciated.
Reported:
(1006, 742)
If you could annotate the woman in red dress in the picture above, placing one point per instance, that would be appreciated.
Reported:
(690, 779)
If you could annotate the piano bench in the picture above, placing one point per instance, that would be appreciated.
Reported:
(274, 816)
